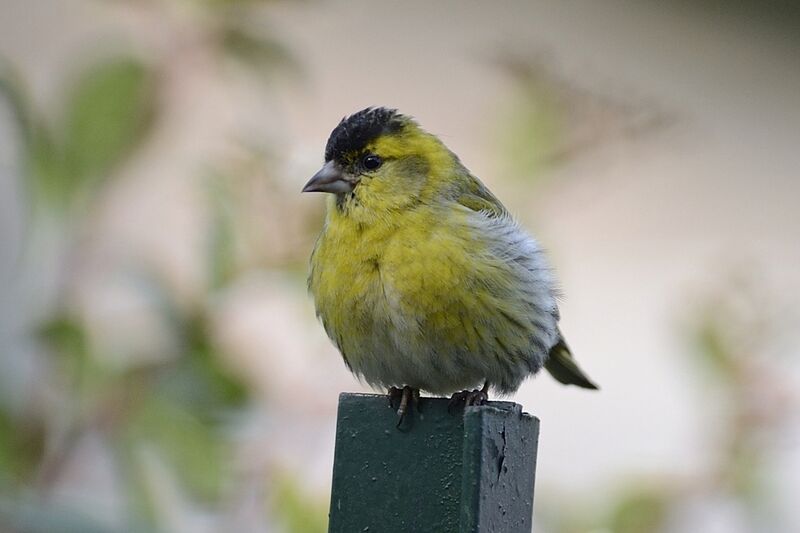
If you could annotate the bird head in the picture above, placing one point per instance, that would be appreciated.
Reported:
(380, 159)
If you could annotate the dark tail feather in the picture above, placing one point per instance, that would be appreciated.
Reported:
(563, 367)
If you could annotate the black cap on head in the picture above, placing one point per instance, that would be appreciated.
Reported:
(354, 132)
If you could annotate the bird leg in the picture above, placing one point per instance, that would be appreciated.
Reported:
(394, 395)
(470, 397)
(407, 395)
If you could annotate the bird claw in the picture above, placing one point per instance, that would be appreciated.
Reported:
(402, 398)
(469, 397)
(394, 395)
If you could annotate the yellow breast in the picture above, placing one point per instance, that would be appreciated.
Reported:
(369, 281)
(407, 301)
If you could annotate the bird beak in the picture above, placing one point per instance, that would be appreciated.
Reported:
(330, 178)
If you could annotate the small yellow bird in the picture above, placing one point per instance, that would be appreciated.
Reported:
(421, 277)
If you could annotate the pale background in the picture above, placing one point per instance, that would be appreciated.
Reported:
(665, 184)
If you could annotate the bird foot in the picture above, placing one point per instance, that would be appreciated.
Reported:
(469, 397)
(402, 398)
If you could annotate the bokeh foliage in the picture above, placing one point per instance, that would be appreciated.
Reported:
(179, 411)
(105, 115)
(177, 415)
(731, 337)
(731, 340)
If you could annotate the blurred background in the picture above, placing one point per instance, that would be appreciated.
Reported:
(162, 367)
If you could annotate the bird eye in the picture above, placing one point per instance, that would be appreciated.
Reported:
(371, 162)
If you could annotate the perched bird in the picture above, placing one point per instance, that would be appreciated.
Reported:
(421, 277)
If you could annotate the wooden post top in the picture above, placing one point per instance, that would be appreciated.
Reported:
(471, 470)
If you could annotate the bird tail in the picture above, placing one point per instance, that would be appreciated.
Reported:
(563, 367)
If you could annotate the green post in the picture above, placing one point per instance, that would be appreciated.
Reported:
(470, 471)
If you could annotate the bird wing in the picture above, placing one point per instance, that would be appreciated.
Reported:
(560, 364)
(474, 195)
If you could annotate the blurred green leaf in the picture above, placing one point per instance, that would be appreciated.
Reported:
(48, 174)
(197, 376)
(744, 469)
(530, 124)
(221, 235)
(255, 49)
(641, 510)
(44, 162)
(69, 343)
(299, 511)
(64, 335)
(22, 444)
(711, 346)
(530, 132)
(67, 339)
(195, 449)
(108, 111)
(200, 377)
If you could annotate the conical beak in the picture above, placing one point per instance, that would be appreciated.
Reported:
(330, 178)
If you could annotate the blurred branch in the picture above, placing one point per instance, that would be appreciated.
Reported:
(255, 49)
(552, 120)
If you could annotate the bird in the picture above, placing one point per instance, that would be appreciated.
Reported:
(421, 277)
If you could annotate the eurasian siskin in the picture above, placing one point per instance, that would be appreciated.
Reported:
(420, 276)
